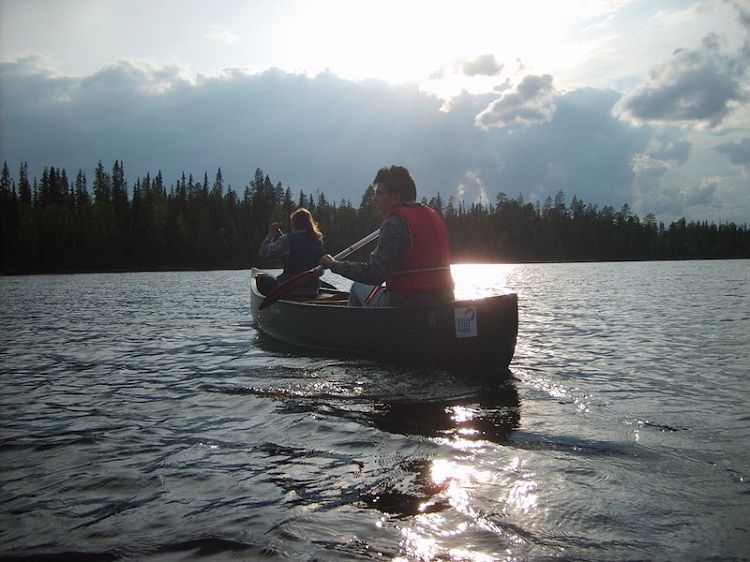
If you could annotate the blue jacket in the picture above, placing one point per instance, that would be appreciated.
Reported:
(304, 253)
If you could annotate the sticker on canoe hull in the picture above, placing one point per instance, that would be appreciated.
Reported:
(466, 322)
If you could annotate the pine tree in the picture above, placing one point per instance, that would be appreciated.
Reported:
(24, 187)
(102, 185)
(120, 195)
(8, 217)
(5, 181)
(217, 191)
(81, 194)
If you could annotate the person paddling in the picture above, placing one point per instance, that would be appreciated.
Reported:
(412, 257)
(299, 251)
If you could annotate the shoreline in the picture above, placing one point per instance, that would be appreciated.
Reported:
(461, 262)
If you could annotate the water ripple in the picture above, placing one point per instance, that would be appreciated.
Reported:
(143, 417)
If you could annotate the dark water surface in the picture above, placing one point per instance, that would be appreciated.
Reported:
(143, 417)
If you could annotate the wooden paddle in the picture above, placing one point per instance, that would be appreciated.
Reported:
(302, 278)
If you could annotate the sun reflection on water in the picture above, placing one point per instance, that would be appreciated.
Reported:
(461, 414)
(431, 535)
(425, 542)
(462, 417)
(479, 280)
(521, 495)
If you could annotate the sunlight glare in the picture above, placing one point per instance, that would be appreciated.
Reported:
(521, 495)
(462, 414)
(418, 546)
(443, 470)
(410, 41)
(424, 539)
(476, 281)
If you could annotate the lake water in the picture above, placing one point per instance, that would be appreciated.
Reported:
(144, 418)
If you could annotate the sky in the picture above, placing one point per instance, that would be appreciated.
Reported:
(637, 102)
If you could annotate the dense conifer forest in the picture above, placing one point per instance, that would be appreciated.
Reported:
(58, 224)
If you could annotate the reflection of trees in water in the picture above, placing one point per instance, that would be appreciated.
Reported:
(410, 488)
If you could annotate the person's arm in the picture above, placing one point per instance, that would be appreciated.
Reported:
(271, 248)
(394, 240)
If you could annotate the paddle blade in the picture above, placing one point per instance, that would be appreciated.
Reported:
(285, 288)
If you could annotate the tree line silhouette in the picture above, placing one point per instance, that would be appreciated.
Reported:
(56, 224)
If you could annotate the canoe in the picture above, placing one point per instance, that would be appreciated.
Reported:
(467, 334)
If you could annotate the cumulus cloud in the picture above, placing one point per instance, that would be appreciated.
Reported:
(35, 74)
(328, 133)
(665, 152)
(649, 169)
(647, 195)
(738, 152)
(668, 146)
(742, 11)
(678, 151)
(438, 74)
(471, 188)
(704, 194)
(704, 198)
(700, 86)
(582, 150)
(532, 102)
(484, 65)
(321, 133)
(661, 188)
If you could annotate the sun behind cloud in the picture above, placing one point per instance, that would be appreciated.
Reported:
(409, 41)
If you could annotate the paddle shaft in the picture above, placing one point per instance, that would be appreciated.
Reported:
(343, 253)
(351, 249)
(305, 276)
(357, 245)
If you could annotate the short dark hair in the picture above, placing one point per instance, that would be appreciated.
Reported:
(397, 179)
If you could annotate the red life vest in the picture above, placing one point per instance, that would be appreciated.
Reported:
(426, 265)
